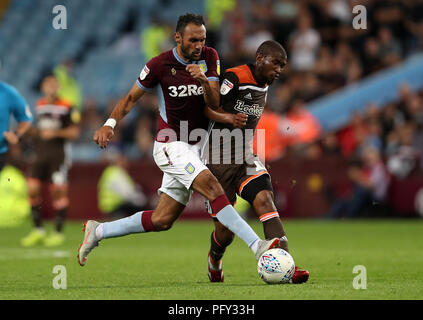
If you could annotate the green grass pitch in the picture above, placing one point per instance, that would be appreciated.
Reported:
(172, 265)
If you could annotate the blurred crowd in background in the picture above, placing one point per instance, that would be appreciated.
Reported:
(325, 54)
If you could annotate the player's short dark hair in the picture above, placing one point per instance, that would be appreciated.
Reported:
(188, 18)
(271, 47)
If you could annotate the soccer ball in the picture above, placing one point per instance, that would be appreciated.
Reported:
(276, 266)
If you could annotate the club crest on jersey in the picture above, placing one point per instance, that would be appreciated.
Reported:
(190, 168)
(145, 71)
(203, 65)
(226, 87)
(173, 71)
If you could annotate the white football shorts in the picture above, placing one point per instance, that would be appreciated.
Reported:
(181, 164)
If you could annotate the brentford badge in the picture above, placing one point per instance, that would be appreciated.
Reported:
(226, 87)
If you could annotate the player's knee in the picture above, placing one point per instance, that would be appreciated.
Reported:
(211, 187)
(264, 201)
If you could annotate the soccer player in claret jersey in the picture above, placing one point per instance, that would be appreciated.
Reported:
(243, 98)
(187, 78)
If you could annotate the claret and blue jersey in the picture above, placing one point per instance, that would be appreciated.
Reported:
(180, 95)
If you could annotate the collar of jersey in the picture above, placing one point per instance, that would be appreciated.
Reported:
(177, 57)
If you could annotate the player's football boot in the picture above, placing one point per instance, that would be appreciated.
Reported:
(90, 241)
(54, 239)
(265, 245)
(300, 276)
(215, 275)
(35, 237)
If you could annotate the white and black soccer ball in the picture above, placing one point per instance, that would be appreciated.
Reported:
(276, 266)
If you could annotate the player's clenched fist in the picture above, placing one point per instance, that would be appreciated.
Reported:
(196, 72)
(239, 120)
(103, 135)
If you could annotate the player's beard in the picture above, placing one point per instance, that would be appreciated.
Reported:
(186, 54)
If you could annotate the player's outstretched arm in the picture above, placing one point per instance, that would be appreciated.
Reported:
(238, 120)
(103, 135)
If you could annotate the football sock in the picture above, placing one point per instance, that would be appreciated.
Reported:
(227, 216)
(60, 219)
(218, 247)
(36, 216)
(137, 223)
(273, 228)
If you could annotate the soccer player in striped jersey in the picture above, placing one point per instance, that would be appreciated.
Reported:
(243, 97)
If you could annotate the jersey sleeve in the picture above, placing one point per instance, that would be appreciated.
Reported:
(213, 65)
(150, 75)
(20, 108)
(228, 88)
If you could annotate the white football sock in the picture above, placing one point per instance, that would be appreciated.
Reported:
(231, 220)
(122, 227)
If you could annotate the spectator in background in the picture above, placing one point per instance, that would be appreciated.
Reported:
(371, 58)
(155, 39)
(371, 181)
(144, 134)
(90, 121)
(301, 126)
(232, 36)
(257, 34)
(391, 118)
(330, 144)
(404, 155)
(118, 194)
(215, 13)
(69, 87)
(304, 43)
(283, 15)
(390, 50)
(276, 142)
(350, 136)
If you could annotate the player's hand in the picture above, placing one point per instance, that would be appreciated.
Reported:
(239, 120)
(11, 137)
(103, 135)
(47, 134)
(196, 72)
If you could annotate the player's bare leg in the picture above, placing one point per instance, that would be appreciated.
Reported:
(207, 185)
(161, 219)
(166, 213)
(267, 212)
(222, 237)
